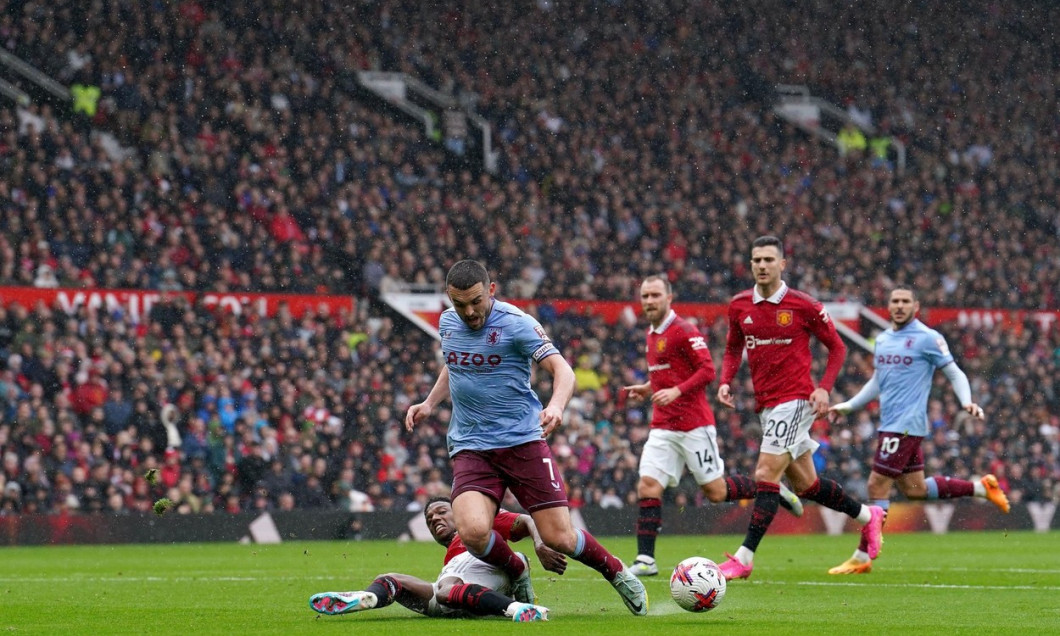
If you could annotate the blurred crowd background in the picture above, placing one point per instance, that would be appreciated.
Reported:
(633, 138)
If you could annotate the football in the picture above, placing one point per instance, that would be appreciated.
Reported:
(697, 584)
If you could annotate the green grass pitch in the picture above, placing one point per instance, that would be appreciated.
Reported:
(961, 583)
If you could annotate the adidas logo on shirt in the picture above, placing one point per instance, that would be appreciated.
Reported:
(748, 321)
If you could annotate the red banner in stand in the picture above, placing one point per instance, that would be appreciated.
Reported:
(707, 313)
(137, 303)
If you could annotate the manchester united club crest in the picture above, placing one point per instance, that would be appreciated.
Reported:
(660, 345)
(785, 317)
(493, 336)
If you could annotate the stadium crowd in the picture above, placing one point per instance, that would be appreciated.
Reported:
(633, 138)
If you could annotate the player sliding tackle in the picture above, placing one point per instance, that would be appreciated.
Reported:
(464, 587)
(906, 356)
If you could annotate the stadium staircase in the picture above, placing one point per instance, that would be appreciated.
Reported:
(822, 119)
(24, 84)
(446, 119)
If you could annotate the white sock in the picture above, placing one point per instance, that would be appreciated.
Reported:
(865, 515)
(978, 489)
(861, 556)
(745, 556)
(644, 558)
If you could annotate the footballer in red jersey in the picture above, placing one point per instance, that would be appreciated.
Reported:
(775, 332)
(466, 586)
(773, 324)
(682, 423)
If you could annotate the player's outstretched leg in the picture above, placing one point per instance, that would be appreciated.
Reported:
(482, 601)
(526, 612)
(588, 550)
(829, 493)
(740, 487)
(332, 603)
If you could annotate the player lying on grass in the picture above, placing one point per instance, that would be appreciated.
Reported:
(465, 587)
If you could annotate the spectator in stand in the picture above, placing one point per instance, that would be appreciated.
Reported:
(117, 412)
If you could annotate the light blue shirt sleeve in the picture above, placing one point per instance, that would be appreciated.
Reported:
(960, 383)
(868, 393)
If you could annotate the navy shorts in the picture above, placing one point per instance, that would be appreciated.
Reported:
(898, 454)
(528, 470)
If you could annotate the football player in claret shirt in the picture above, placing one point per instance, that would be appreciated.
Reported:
(464, 587)
(906, 356)
(682, 422)
(773, 324)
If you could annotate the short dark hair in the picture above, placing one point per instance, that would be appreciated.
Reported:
(433, 500)
(766, 241)
(663, 278)
(465, 274)
(908, 288)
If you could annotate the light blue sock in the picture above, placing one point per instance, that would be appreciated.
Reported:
(489, 546)
(579, 544)
(932, 488)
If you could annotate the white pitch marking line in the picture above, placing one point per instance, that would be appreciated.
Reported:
(929, 586)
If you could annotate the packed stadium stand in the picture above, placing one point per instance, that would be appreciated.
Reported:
(229, 150)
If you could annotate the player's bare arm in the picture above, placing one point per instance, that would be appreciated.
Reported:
(419, 412)
(562, 390)
(550, 559)
(869, 392)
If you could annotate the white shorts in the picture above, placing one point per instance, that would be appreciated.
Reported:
(471, 570)
(666, 453)
(786, 429)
